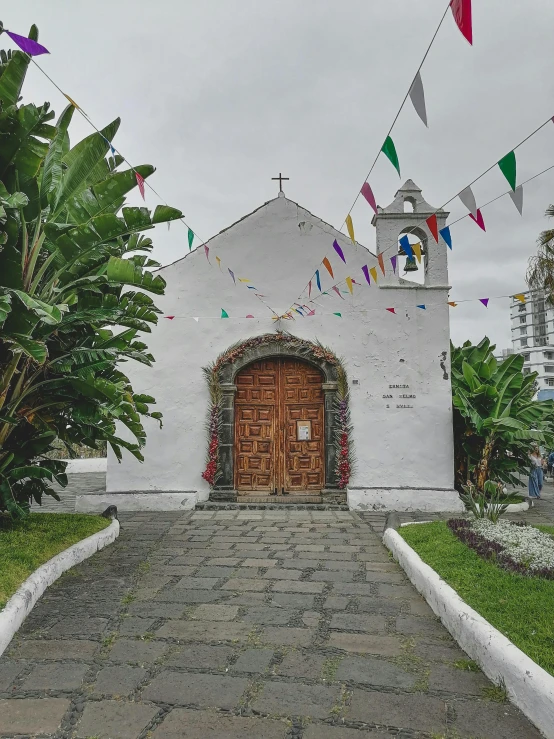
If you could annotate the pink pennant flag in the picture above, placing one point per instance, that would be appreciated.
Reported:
(393, 261)
(335, 288)
(207, 252)
(312, 312)
(140, 183)
(391, 310)
(337, 248)
(169, 318)
(310, 289)
(33, 48)
(485, 302)
(366, 273)
(461, 10)
(479, 219)
(367, 192)
(250, 316)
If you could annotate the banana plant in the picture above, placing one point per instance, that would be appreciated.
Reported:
(496, 420)
(76, 281)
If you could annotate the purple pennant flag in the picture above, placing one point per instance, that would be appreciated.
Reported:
(366, 273)
(232, 275)
(485, 302)
(33, 48)
(393, 263)
(337, 248)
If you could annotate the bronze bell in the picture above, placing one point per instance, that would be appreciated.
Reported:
(411, 265)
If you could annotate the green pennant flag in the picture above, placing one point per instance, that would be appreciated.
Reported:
(389, 150)
(191, 238)
(508, 168)
(338, 314)
(224, 313)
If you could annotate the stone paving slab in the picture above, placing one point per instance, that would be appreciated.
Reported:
(276, 624)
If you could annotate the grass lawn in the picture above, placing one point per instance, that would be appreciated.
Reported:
(520, 607)
(30, 543)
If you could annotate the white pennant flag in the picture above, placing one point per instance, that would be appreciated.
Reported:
(196, 319)
(517, 198)
(468, 199)
(417, 97)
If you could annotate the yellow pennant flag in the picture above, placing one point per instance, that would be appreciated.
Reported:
(218, 260)
(452, 304)
(348, 281)
(243, 279)
(373, 272)
(520, 297)
(350, 227)
(417, 251)
(73, 103)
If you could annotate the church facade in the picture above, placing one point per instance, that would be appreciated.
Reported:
(340, 394)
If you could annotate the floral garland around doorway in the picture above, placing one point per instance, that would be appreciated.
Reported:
(345, 458)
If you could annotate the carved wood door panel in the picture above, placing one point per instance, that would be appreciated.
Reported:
(272, 395)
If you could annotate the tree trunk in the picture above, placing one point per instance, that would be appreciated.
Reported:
(482, 469)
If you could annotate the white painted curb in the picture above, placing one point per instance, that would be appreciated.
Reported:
(22, 602)
(529, 686)
(94, 464)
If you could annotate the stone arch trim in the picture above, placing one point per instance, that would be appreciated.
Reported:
(268, 348)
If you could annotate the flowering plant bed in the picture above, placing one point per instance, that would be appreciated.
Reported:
(515, 547)
(518, 605)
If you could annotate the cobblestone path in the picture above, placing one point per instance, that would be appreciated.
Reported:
(242, 625)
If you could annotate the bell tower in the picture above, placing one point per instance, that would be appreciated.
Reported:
(394, 221)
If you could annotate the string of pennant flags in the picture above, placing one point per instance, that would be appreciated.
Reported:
(305, 311)
(508, 167)
(33, 48)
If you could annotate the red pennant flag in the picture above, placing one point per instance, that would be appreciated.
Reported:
(335, 288)
(479, 220)
(327, 265)
(310, 289)
(485, 302)
(367, 192)
(432, 225)
(381, 263)
(140, 183)
(391, 310)
(461, 10)
(169, 318)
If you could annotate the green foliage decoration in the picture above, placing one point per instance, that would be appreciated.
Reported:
(74, 281)
(496, 420)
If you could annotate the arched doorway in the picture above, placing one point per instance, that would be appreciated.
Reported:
(279, 446)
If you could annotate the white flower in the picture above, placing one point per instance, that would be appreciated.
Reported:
(524, 544)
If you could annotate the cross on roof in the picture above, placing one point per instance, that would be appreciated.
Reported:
(280, 178)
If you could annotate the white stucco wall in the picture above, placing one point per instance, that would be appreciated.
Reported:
(278, 247)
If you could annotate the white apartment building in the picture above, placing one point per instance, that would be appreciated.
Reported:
(533, 336)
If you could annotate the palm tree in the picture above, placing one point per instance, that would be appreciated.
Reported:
(540, 268)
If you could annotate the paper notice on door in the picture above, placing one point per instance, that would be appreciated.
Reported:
(303, 430)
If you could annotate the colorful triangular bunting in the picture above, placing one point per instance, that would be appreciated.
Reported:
(417, 96)
(33, 48)
(335, 288)
(391, 310)
(350, 227)
(232, 274)
(517, 198)
(485, 302)
(327, 264)
(520, 297)
(140, 182)
(169, 318)
(366, 273)
(478, 219)
(432, 226)
(445, 233)
(461, 10)
(389, 150)
(337, 248)
(190, 237)
(373, 273)
(468, 199)
(508, 168)
(393, 261)
(367, 192)
(381, 263)
(422, 306)
(338, 314)
(417, 251)
(406, 247)
(318, 283)
(207, 252)
(224, 313)
(348, 281)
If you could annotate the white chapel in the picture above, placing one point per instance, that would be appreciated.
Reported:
(275, 387)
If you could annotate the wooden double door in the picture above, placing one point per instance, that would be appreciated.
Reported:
(278, 403)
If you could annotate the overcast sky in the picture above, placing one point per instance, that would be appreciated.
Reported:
(221, 95)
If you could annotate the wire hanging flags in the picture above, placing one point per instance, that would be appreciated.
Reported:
(468, 199)
(367, 192)
(389, 150)
(508, 168)
(350, 227)
(28, 45)
(478, 218)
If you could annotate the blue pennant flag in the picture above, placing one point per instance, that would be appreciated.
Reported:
(317, 280)
(251, 287)
(445, 233)
(405, 244)
(421, 306)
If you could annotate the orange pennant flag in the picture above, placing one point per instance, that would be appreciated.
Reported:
(350, 227)
(417, 251)
(328, 267)
(373, 272)
(73, 103)
(452, 304)
(381, 263)
(520, 297)
(348, 281)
